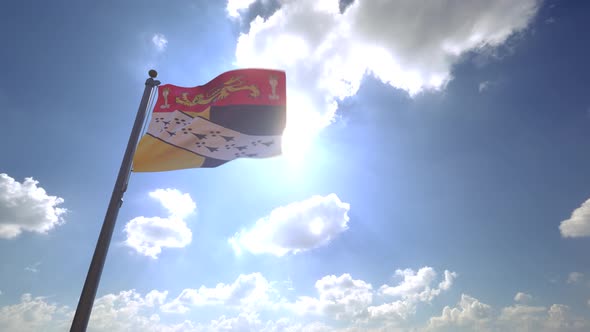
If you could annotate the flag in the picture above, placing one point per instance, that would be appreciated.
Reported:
(239, 114)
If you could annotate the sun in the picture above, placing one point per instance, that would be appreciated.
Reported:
(304, 123)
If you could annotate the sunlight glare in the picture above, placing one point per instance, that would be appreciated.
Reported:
(303, 125)
(316, 226)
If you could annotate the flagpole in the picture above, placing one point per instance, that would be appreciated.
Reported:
(80, 322)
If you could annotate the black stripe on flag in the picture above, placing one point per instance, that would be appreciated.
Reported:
(212, 162)
(259, 120)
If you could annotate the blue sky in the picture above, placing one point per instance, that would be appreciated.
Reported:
(435, 175)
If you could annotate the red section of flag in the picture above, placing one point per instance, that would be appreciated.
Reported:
(236, 87)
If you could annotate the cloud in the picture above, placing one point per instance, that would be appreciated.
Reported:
(415, 287)
(484, 85)
(128, 311)
(296, 227)
(344, 298)
(250, 300)
(248, 290)
(148, 235)
(27, 207)
(578, 224)
(472, 315)
(469, 312)
(160, 41)
(155, 298)
(575, 277)
(339, 297)
(33, 268)
(32, 314)
(234, 7)
(407, 44)
(522, 297)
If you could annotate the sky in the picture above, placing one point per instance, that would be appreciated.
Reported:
(434, 175)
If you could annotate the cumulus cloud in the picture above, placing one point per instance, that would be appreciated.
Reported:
(353, 300)
(296, 227)
(160, 41)
(417, 284)
(410, 45)
(148, 235)
(578, 224)
(484, 86)
(126, 311)
(25, 207)
(129, 311)
(575, 277)
(522, 297)
(415, 287)
(339, 297)
(155, 298)
(248, 290)
(234, 7)
(472, 315)
(34, 268)
(32, 314)
(250, 300)
(122, 312)
(469, 312)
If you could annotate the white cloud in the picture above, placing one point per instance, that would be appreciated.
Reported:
(412, 283)
(160, 41)
(472, 315)
(119, 312)
(339, 297)
(468, 312)
(250, 322)
(522, 314)
(179, 205)
(32, 314)
(410, 45)
(148, 235)
(522, 297)
(155, 298)
(234, 7)
(242, 322)
(578, 224)
(250, 300)
(484, 86)
(345, 298)
(415, 287)
(125, 311)
(26, 207)
(247, 291)
(575, 277)
(556, 318)
(34, 268)
(296, 227)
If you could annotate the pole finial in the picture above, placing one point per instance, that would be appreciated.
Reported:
(153, 73)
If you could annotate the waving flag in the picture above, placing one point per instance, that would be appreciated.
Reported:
(239, 114)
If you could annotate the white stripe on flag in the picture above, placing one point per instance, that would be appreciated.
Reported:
(208, 139)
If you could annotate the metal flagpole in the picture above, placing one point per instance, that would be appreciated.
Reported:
(86, 301)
